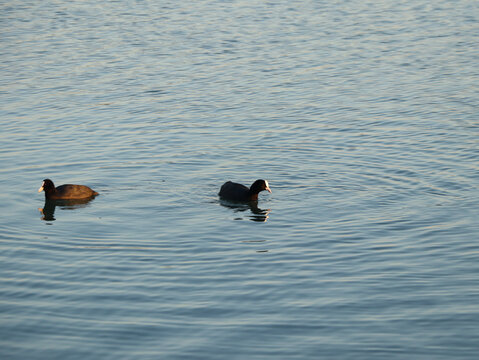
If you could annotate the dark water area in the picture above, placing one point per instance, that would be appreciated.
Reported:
(363, 117)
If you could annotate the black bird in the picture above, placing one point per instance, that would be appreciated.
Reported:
(67, 191)
(238, 192)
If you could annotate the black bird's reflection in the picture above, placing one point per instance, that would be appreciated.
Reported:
(48, 210)
(259, 215)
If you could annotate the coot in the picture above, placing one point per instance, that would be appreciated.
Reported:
(67, 191)
(238, 192)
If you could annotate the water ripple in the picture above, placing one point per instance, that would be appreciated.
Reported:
(361, 118)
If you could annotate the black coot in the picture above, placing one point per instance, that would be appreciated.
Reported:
(67, 191)
(238, 192)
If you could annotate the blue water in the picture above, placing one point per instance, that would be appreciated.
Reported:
(363, 117)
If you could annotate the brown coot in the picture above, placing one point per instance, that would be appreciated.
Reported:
(67, 191)
(238, 192)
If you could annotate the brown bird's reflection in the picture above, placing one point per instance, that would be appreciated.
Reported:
(258, 215)
(48, 210)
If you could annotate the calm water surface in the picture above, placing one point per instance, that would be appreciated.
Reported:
(363, 117)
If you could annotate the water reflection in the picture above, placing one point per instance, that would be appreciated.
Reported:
(257, 214)
(48, 210)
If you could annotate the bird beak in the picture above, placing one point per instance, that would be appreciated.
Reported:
(41, 188)
(268, 189)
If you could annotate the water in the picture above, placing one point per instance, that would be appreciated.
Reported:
(363, 118)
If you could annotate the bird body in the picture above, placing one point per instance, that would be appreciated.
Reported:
(241, 193)
(65, 192)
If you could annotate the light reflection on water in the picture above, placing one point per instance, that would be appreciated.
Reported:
(48, 210)
(257, 214)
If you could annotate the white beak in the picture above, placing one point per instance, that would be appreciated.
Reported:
(41, 188)
(267, 187)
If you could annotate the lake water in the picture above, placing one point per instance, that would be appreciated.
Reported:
(363, 117)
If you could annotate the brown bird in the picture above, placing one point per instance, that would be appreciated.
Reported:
(67, 191)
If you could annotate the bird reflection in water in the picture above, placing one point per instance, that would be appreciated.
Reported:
(48, 210)
(258, 215)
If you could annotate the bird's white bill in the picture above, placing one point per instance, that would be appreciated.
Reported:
(41, 188)
(267, 186)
